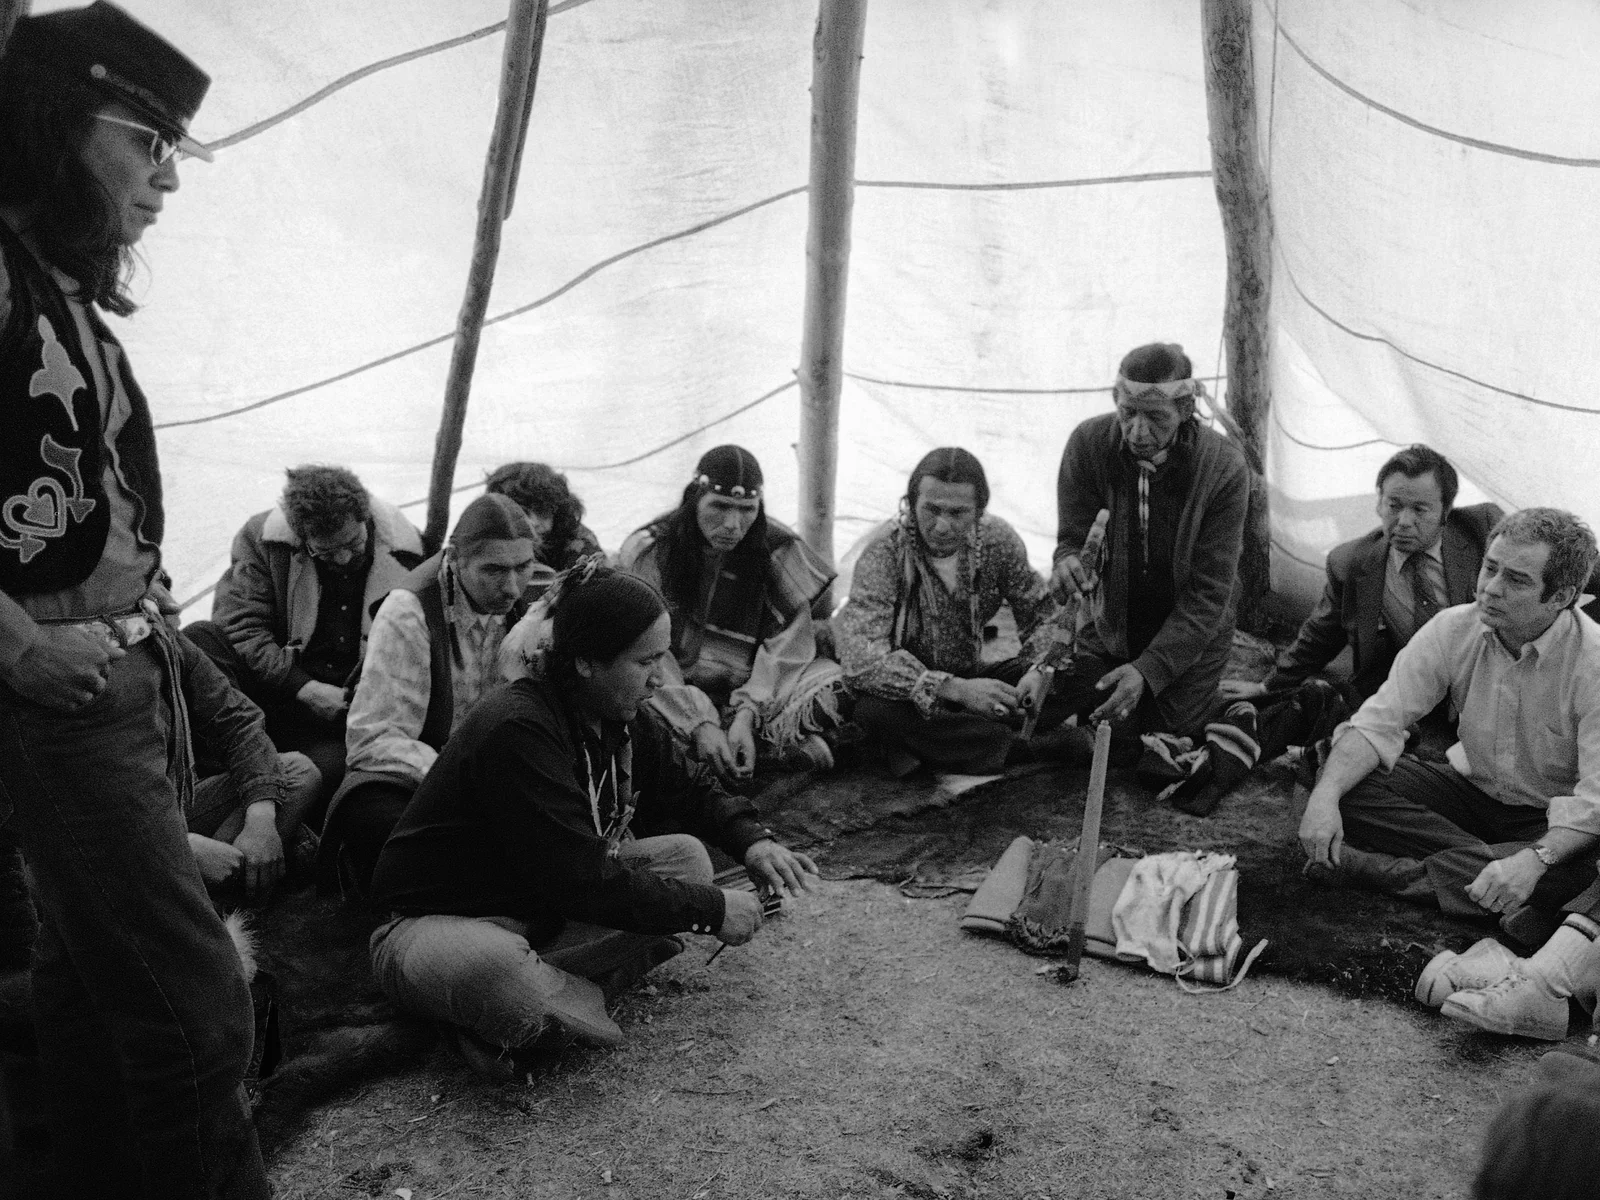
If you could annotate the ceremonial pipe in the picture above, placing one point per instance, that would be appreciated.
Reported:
(1088, 853)
(1064, 634)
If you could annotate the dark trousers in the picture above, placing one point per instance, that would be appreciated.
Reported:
(1431, 815)
(953, 739)
(1586, 902)
(290, 725)
(19, 924)
(1183, 707)
(143, 1017)
(367, 815)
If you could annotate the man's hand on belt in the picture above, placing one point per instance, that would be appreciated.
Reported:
(65, 668)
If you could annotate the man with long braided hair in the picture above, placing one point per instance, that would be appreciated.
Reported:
(558, 844)
(911, 635)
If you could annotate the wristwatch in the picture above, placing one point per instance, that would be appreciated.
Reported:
(1544, 854)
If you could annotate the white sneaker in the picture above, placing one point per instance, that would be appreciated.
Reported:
(1486, 962)
(1516, 1006)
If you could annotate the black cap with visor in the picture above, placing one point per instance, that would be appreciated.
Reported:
(106, 48)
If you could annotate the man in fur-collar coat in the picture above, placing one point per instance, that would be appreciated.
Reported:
(292, 613)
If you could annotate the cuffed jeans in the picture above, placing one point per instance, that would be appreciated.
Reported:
(142, 1012)
(481, 973)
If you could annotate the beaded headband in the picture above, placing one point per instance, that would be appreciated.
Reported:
(737, 491)
(1176, 389)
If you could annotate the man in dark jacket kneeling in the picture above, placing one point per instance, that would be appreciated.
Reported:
(558, 842)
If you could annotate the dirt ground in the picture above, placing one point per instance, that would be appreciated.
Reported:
(863, 1046)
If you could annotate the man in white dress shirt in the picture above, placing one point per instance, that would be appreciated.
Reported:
(1510, 824)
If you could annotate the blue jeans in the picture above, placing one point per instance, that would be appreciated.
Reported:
(143, 1015)
(480, 972)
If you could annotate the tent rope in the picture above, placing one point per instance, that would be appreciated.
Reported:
(1284, 429)
(1560, 160)
(1032, 185)
(360, 73)
(994, 391)
(1421, 362)
(620, 256)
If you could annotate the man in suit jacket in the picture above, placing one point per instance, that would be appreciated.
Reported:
(1382, 587)
(1369, 602)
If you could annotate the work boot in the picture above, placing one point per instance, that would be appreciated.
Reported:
(1403, 877)
(1516, 1006)
(1486, 962)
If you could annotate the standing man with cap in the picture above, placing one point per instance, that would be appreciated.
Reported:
(141, 1008)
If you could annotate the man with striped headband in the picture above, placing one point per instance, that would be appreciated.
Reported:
(1161, 608)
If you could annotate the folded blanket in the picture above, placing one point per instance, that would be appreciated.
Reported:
(1175, 912)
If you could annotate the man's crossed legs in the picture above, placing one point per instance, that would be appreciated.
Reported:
(480, 975)
(1424, 832)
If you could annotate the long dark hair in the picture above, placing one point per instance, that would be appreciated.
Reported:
(682, 548)
(596, 613)
(45, 118)
(949, 464)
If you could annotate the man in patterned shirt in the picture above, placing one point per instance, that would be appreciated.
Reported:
(433, 654)
(911, 634)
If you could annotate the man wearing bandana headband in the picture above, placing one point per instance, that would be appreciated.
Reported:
(1162, 610)
(746, 680)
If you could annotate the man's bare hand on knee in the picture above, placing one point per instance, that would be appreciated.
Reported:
(1506, 883)
(992, 699)
(1322, 831)
(783, 870)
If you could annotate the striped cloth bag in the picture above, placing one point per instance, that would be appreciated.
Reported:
(1179, 913)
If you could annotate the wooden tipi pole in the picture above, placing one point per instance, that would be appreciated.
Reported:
(1241, 183)
(11, 11)
(835, 93)
(519, 66)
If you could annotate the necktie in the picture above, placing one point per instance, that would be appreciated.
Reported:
(1424, 602)
(1147, 469)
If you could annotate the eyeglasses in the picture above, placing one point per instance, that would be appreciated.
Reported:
(163, 146)
(342, 551)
